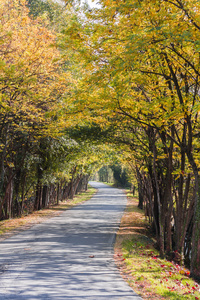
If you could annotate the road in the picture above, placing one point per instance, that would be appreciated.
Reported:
(69, 256)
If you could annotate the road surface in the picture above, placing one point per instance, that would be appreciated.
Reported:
(69, 256)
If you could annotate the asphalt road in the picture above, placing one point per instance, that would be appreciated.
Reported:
(69, 256)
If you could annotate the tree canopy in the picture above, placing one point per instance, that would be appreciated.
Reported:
(141, 77)
(81, 86)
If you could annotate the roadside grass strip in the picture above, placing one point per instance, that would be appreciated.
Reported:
(140, 265)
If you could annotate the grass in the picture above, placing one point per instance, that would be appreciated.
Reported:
(13, 226)
(109, 183)
(140, 265)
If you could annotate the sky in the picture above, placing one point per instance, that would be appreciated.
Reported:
(91, 3)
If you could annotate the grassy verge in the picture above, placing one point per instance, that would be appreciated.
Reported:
(109, 183)
(140, 265)
(13, 226)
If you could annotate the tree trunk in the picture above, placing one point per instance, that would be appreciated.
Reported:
(161, 219)
(74, 186)
(38, 197)
(140, 190)
(58, 193)
(195, 255)
(44, 196)
(9, 197)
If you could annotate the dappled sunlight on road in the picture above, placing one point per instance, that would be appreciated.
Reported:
(69, 256)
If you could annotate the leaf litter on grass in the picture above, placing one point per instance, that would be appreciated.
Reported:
(140, 264)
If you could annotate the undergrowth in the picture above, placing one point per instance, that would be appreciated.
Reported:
(11, 226)
(140, 264)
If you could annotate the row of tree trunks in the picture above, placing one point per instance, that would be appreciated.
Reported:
(15, 198)
(169, 203)
(53, 194)
(170, 217)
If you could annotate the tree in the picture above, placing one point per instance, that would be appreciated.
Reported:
(32, 87)
(141, 63)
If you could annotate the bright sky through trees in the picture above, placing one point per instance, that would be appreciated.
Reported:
(92, 4)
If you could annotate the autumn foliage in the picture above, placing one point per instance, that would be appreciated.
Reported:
(141, 81)
(34, 85)
(126, 74)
